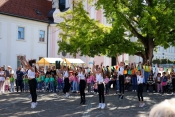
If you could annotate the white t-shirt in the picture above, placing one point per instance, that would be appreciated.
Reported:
(139, 79)
(81, 76)
(99, 78)
(120, 70)
(31, 74)
(65, 74)
(2, 78)
(158, 79)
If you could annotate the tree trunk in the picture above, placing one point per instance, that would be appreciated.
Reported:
(149, 49)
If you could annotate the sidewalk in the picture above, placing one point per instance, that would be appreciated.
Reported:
(56, 105)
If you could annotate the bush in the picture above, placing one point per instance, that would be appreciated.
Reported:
(163, 61)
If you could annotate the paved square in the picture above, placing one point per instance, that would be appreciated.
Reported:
(56, 105)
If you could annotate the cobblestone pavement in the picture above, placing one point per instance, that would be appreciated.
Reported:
(56, 105)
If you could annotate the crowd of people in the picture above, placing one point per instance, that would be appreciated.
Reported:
(97, 80)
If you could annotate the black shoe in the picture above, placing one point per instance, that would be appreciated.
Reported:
(119, 96)
(81, 102)
(84, 101)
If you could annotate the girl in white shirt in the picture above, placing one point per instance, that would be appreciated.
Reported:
(121, 80)
(30, 65)
(82, 85)
(140, 88)
(99, 80)
(66, 79)
(82, 82)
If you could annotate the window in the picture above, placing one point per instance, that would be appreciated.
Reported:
(20, 33)
(41, 36)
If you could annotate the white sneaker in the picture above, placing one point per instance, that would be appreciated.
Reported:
(36, 103)
(99, 105)
(153, 91)
(67, 95)
(103, 105)
(132, 90)
(140, 104)
(135, 91)
(33, 105)
(147, 90)
(143, 104)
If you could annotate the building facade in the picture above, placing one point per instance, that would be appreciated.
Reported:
(23, 30)
(26, 31)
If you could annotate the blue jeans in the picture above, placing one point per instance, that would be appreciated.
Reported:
(26, 86)
(146, 76)
(46, 86)
(12, 88)
(74, 86)
(117, 85)
(71, 86)
(107, 88)
(134, 83)
(52, 86)
(60, 86)
(39, 86)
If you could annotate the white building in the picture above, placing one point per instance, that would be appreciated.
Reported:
(23, 30)
(161, 53)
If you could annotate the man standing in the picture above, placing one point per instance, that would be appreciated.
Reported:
(19, 79)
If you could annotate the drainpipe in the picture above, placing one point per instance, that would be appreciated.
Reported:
(47, 48)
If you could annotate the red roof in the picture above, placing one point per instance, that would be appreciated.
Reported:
(29, 9)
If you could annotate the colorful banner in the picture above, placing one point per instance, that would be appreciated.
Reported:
(129, 72)
(125, 72)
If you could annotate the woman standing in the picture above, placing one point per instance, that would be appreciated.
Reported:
(66, 79)
(121, 79)
(133, 77)
(2, 79)
(31, 76)
(99, 80)
(140, 88)
(82, 85)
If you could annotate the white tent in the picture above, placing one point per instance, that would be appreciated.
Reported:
(52, 60)
(71, 60)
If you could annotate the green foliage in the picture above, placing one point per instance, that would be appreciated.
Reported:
(156, 61)
(162, 61)
(150, 21)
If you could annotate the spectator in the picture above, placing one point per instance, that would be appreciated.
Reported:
(19, 79)
(163, 109)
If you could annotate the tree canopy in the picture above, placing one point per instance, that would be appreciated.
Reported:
(150, 21)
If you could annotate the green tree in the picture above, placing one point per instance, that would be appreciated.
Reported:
(150, 21)
(156, 61)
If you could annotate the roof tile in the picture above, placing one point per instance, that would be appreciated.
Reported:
(26, 8)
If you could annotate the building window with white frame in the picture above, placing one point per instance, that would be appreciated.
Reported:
(21, 33)
(41, 36)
